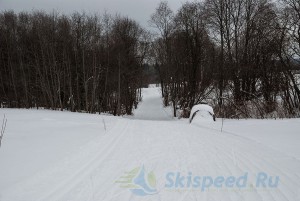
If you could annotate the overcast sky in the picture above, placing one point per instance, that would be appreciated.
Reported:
(140, 10)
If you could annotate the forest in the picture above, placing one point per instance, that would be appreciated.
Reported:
(240, 56)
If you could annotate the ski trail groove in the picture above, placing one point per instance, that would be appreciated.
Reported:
(88, 168)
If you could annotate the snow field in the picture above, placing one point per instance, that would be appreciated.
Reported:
(62, 156)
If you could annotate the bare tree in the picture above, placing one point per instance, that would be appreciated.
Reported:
(68, 62)
(163, 20)
(290, 49)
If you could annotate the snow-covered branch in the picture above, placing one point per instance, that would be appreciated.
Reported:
(4, 121)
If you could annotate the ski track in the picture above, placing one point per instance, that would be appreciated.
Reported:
(248, 164)
(161, 146)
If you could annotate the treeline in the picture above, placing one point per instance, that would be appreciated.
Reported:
(241, 56)
(79, 62)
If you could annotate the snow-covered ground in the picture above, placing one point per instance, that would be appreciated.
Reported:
(64, 156)
(151, 107)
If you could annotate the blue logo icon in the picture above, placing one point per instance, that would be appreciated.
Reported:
(139, 182)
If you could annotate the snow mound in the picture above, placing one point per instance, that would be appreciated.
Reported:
(202, 112)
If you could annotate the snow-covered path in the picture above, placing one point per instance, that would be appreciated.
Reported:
(151, 107)
(90, 172)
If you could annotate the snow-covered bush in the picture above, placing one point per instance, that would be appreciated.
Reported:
(202, 112)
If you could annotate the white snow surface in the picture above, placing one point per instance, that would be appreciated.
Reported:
(63, 156)
(204, 113)
(202, 107)
(151, 107)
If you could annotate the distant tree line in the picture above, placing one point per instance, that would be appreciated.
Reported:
(241, 56)
(79, 62)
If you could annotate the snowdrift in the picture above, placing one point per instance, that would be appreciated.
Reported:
(202, 112)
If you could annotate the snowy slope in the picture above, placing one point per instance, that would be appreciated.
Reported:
(62, 156)
(35, 139)
(282, 135)
(151, 107)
